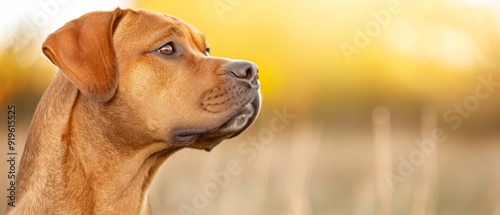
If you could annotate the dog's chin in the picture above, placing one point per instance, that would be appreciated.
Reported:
(234, 126)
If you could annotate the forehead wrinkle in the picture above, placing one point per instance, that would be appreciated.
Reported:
(167, 33)
(157, 22)
(172, 30)
(175, 22)
(177, 31)
(200, 44)
(203, 40)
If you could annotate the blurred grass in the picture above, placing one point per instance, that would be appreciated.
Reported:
(340, 175)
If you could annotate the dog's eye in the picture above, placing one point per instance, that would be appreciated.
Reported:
(167, 49)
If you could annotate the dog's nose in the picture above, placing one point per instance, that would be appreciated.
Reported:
(244, 71)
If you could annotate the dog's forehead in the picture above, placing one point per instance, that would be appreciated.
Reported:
(165, 20)
(158, 25)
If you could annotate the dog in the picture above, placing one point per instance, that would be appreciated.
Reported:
(133, 87)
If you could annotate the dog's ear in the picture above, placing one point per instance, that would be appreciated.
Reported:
(83, 50)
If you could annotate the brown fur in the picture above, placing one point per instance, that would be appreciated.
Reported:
(114, 111)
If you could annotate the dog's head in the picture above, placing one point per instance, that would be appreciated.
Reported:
(156, 74)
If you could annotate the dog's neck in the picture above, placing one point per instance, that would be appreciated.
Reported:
(68, 172)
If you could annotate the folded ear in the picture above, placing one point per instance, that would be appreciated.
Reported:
(83, 50)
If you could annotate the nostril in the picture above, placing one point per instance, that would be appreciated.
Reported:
(248, 73)
(243, 74)
(243, 70)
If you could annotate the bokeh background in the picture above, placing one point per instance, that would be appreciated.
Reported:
(363, 82)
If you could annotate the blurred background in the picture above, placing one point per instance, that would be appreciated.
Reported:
(353, 92)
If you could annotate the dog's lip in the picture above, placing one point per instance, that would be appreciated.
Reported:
(188, 136)
(252, 108)
(255, 107)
